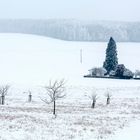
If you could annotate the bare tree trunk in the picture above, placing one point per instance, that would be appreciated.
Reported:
(108, 101)
(2, 99)
(54, 107)
(30, 98)
(93, 105)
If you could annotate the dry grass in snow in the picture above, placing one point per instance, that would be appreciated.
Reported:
(75, 119)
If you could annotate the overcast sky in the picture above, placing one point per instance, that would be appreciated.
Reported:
(122, 10)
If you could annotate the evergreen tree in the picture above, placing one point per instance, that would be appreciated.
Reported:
(111, 60)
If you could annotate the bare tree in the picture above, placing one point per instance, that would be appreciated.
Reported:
(29, 96)
(3, 93)
(55, 90)
(108, 96)
(93, 97)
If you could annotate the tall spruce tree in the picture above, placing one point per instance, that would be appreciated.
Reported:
(111, 60)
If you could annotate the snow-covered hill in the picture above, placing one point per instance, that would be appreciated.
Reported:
(28, 62)
(35, 60)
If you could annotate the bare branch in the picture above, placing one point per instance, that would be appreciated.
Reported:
(108, 93)
(46, 101)
(55, 89)
(4, 90)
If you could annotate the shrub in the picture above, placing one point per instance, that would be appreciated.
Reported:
(137, 74)
(120, 70)
(128, 73)
(123, 72)
(98, 71)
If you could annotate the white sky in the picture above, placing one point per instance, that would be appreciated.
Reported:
(123, 10)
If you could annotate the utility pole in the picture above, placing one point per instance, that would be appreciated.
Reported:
(81, 57)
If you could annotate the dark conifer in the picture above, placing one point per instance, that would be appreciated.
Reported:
(111, 60)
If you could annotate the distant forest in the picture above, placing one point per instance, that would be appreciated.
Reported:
(74, 30)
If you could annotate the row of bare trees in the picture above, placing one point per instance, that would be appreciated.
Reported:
(94, 98)
(54, 91)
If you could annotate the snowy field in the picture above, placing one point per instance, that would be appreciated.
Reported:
(28, 63)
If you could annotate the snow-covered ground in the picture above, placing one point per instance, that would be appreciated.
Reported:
(28, 62)
(130, 132)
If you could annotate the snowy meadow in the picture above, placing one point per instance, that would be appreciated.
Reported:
(29, 62)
